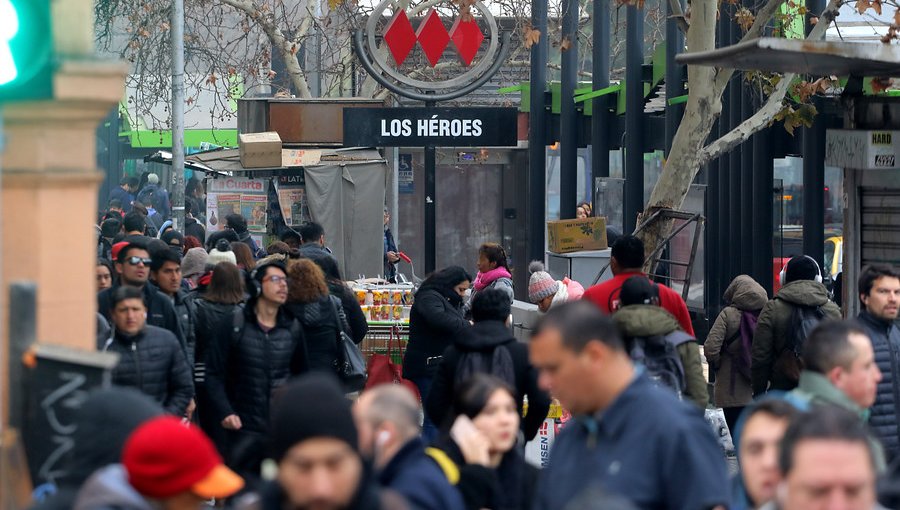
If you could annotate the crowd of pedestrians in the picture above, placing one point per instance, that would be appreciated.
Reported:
(228, 391)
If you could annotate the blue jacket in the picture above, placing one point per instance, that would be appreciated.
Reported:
(418, 478)
(125, 197)
(885, 339)
(647, 446)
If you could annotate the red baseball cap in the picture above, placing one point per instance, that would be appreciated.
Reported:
(116, 248)
(164, 457)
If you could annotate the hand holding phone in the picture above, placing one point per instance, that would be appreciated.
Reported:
(474, 446)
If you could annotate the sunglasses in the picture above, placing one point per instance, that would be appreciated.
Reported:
(276, 279)
(134, 261)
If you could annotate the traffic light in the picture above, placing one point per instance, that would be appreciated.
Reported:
(26, 50)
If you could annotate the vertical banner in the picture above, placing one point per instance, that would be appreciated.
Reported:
(405, 183)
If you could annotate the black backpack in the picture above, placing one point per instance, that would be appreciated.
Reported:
(496, 362)
(659, 356)
(803, 320)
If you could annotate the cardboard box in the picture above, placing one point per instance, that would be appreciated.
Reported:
(260, 150)
(567, 236)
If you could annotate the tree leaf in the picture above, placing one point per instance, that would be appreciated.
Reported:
(880, 85)
(532, 36)
(565, 44)
(744, 18)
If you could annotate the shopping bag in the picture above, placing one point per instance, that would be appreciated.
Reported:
(383, 370)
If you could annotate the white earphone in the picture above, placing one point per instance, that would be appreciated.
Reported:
(784, 271)
(382, 438)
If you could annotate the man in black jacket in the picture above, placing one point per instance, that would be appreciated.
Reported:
(257, 352)
(133, 266)
(238, 224)
(150, 358)
(165, 272)
(488, 347)
(879, 293)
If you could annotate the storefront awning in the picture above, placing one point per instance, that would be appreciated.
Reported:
(230, 161)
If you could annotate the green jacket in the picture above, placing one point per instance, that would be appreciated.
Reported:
(650, 320)
(771, 330)
(815, 389)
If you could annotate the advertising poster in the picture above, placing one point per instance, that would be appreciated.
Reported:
(253, 208)
(237, 195)
(291, 193)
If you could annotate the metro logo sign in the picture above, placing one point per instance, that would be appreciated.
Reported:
(432, 37)
(26, 50)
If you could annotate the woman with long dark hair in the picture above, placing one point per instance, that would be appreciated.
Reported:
(356, 319)
(106, 277)
(481, 442)
(214, 323)
(435, 319)
(244, 256)
(319, 314)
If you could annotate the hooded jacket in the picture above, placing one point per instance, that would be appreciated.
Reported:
(434, 321)
(770, 338)
(108, 489)
(650, 320)
(192, 227)
(814, 389)
(153, 362)
(102, 425)
(885, 337)
(485, 337)
(743, 295)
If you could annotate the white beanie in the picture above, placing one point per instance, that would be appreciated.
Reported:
(216, 256)
(153, 179)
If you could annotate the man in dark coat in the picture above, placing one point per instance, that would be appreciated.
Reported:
(387, 418)
(238, 224)
(150, 358)
(256, 353)
(124, 192)
(312, 241)
(488, 347)
(133, 266)
(165, 272)
(879, 293)
(390, 249)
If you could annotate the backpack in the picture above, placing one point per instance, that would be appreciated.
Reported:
(659, 356)
(803, 320)
(497, 362)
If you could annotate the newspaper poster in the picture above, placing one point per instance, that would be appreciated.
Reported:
(253, 208)
(237, 195)
(291, 191)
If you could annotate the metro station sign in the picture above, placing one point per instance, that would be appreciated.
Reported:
(435, 127)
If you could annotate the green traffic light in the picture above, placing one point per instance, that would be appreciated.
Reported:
(9, 27)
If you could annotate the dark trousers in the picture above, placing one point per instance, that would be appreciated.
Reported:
(731, 417)
(429, 430)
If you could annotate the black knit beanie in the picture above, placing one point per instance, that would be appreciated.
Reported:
(310, 406)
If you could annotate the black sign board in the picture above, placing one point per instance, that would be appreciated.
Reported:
(436, 127)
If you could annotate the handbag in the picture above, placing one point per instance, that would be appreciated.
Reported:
(383, 370)
(350, 365)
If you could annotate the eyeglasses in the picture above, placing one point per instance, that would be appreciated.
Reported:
(277, 279)
(134, 261)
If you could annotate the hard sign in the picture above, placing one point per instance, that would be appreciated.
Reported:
(847, 148)
(436, 127)
(26, 50)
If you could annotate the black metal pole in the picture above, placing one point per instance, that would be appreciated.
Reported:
(762, 225)
(600, 105)
(430, 199)
(747, 156)
(634, 113)
(674, 77)
(568, 121)
(814, 172)
(537, 140)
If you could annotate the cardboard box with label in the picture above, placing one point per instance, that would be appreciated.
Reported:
(260, 150)
(567, 236)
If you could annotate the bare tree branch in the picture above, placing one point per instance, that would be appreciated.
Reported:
(679, 17)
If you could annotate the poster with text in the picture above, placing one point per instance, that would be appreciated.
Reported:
(237, 195)
(253, 208)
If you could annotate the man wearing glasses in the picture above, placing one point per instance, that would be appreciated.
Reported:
(133, 267)
(258, 350)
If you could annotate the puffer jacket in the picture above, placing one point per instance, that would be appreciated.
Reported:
(152, 361)
(485, 337)
(243, 370)
(186, 311)
(770, 338)
(650, 320)
(732, 389)
(356, 319)
(160, 310)
(213, 322)
(885, 337)
(434, 321)
(320, 329)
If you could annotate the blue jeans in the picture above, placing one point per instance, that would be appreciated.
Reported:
(429, 430)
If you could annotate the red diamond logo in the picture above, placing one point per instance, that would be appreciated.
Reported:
(400, 37)
(467, 37)
(433, 37)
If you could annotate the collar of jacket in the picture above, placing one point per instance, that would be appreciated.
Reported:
(875, 323)
(818, 387)
(127, 339)
(408, 452)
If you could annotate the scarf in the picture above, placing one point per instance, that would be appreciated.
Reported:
(561, 296)
(482, 280)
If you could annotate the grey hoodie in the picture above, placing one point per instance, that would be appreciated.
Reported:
(109, 489)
